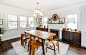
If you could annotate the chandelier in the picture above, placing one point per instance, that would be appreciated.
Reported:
(37, 11)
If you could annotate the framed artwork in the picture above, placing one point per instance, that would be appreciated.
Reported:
(1, 21)
(55, 17)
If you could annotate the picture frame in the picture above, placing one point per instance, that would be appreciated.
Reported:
(55, 17)
(62, 20)
(1, 21)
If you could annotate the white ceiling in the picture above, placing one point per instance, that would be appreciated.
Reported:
(44, 5)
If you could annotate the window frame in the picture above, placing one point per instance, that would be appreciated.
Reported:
(43, 20)
(23, 21)
(75, 21)
(30, 21)
(12, 21)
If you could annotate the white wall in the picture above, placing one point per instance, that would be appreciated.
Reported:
(8, 9)
(62, 13)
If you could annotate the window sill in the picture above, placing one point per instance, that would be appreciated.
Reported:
(19, 28)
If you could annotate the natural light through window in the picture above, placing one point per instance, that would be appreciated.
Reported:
(23, 22)
(45, 19)
(30, 22)
(12, 21)
(72, 21)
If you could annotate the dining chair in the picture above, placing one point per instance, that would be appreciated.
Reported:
(33, 44)
(25, 39)
(52, 43)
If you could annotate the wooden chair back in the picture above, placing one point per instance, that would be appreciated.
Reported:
(22, 40)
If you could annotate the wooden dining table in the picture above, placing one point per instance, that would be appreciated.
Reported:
(42, 35)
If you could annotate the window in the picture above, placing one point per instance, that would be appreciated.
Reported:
(12, 21)
(23, 22)
(72, 21)
(45, 19)
(30, 22)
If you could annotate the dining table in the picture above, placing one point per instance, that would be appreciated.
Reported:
(42, 35)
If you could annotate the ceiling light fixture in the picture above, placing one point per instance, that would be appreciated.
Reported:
(38, 12)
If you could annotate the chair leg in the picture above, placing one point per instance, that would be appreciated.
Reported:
(25, 44)
(29, 50)
(46, 48)
(54, 51)
(28, 46)
(33, 51)
(58, 48)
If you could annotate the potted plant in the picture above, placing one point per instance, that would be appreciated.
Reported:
(67, 28)
(40, 25)
(64, 29)
(71, 29)
(61, 21)
(75, 29)
(2, 30)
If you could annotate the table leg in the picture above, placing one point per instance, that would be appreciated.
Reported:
(43, 46)
(25, 33)
(29, 50)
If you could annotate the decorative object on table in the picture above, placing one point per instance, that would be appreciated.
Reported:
(64, 29)
(2, 30)
(44, 26)
(67, 28)
(75, 29)
(49, 20)
(62, 20)
(71, 29)
(1, 21)
(55, 17)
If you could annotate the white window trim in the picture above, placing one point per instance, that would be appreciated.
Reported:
(23, 21)
(78, 19)
(7, 21)
(18, 21)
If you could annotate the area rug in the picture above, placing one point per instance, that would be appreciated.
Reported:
(23, 51)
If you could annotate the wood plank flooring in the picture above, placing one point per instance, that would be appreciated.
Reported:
(7, 49)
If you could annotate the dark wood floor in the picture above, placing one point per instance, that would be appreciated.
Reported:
(7, 49)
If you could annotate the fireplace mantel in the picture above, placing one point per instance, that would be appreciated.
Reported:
(56, 26)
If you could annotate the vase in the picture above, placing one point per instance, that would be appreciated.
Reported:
(44, 26)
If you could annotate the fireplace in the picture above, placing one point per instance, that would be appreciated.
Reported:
(56, 31)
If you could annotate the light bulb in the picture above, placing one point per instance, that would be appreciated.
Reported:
(34, 15)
